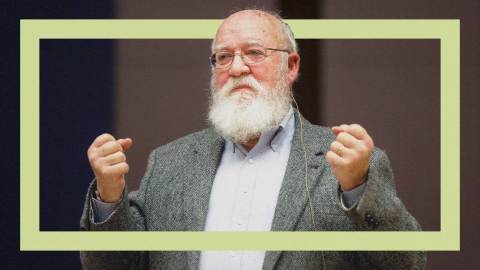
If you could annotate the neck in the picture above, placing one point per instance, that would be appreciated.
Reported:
(251, 143)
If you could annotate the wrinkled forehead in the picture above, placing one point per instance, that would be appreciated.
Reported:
(245, 28)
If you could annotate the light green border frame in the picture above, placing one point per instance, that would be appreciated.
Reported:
(31, 238)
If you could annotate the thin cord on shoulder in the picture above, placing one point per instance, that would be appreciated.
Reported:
(307, 184)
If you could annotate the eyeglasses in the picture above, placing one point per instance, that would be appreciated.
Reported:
(251, 56)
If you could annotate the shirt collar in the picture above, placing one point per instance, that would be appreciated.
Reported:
(269, 138)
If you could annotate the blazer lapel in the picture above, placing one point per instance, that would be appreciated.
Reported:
(207, 152)
(292, 199)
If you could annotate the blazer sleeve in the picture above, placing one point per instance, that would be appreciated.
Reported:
(380, 209)
(128, 216)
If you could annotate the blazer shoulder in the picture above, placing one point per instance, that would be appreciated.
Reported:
(316, 132)
(322, 131)
(183, 145)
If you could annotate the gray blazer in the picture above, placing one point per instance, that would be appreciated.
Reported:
(175, 191)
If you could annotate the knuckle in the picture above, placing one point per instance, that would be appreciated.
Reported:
(362, 148)
(90, 154)
(356, 126)
(329, 158)
(93, 159)
(345, 135)
(332, 145)
(336, 145)
(370, 143)
(341, 136)
(118, 146)
(107, 136)
(126, 167)
(114, 145)
(104, 171)
(107, 144)
(97, 162)
(92, 149)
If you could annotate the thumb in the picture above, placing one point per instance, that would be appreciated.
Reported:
(336, 130)
(125, 143)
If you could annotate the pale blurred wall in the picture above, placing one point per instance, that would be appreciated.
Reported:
(392, 88)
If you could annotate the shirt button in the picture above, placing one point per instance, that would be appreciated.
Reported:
(250, 161)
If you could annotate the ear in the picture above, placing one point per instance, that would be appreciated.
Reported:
(293, 67)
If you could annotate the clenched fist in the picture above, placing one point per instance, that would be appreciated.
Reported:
(349, 155)
(109, 164)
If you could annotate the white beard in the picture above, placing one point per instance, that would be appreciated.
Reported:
(242, 116)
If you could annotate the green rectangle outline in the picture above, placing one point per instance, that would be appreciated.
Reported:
(31, 238)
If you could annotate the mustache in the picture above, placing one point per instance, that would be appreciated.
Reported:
(248, 80)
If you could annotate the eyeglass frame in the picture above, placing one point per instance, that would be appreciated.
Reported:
(213, 60)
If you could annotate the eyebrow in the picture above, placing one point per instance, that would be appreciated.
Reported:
(248, 43)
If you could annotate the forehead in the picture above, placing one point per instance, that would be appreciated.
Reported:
(247, 28)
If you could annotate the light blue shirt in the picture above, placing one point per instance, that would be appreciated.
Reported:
(245, 191)
(244, 194)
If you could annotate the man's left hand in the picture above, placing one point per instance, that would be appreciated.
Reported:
(349, 155)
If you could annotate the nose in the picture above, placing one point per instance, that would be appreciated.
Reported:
(238, 67)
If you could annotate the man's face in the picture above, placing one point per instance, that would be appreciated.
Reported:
(249, 99)
(240, 32)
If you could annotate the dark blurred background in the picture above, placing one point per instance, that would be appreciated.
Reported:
(156, 90)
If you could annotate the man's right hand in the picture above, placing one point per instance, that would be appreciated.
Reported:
(109, 164)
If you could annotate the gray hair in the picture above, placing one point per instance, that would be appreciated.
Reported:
(285, 30)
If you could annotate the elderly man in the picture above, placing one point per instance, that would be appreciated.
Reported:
(260, 167)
